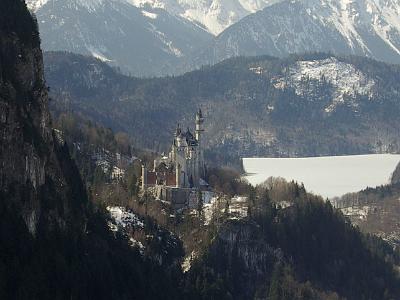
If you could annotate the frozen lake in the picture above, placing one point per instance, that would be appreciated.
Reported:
(326, 176)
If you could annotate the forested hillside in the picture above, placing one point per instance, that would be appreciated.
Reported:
(375, 210)
(299, 106)
(307, 250)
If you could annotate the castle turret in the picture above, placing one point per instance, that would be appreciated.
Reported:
(200, 158)
(178, 130)
(144, 177)
(199, 125)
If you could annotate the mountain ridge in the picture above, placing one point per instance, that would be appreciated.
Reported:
(140, 41)
(253, 106)
(173, 36)
(347, 27)
(213, 15)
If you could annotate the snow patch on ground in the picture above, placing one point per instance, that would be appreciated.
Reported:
(135, 243)
(124, 218)
(187, 262)
(237, 208)
(169, 46)
(149, 15)
(100, 56)
(209, 208)
(357, 212)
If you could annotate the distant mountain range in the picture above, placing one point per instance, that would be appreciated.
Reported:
(161, 37)
(214, 15)
(301, 106)
(359, 27)
(139, 41)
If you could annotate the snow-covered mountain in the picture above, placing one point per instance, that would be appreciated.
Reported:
(143, 41)
(362, 27)
(154, 37)
(214, 15)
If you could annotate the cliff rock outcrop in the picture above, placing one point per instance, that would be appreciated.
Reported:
(38, 181)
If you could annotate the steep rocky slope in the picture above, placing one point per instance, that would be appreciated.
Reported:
(37, 178)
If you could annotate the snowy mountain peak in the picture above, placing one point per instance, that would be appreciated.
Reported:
(35, 5)
(357, 27)
(214, 15)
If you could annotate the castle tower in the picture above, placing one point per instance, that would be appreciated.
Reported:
(199, 125)
(144, 177)
(200, 159)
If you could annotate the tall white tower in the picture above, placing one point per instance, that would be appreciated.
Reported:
(200, 158)
(199, 125)
(144, 177)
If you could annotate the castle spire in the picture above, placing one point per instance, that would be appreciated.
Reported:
(178, 130)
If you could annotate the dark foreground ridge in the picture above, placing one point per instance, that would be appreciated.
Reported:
(53, 243)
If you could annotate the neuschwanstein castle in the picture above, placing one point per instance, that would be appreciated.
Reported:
(177, 176)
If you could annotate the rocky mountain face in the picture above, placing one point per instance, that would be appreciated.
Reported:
(143, 41)
(214, 15)
(303, 106)
(37, 178)
(367, 28)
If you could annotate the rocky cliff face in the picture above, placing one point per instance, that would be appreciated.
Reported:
(35, 171)
(247, 255)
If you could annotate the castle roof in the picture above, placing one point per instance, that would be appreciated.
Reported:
(190, 139)
(178, 130)
(187, 136)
